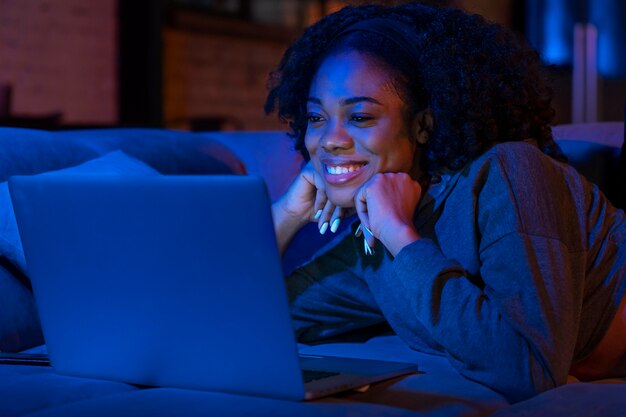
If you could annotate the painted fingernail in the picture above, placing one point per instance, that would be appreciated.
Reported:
(323, 228)
(335, 225)
(358, 231)
(367, 229)
(318, 214)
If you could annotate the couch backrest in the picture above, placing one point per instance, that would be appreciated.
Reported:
(29, 151)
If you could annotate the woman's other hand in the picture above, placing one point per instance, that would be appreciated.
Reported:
(385, 205)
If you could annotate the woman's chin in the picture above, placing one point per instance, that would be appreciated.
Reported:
(341, 198)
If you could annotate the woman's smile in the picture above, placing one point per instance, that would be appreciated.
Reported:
(342, 172)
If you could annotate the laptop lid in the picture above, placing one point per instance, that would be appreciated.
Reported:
(141, 279)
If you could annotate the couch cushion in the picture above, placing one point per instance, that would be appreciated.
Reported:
(26, 389)
(164, 402)
(574, 400)
(437, 389)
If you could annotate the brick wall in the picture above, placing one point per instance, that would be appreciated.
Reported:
(60, 56)
(218, 76)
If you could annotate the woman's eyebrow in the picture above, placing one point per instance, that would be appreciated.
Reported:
(354, 100)
(347, 101)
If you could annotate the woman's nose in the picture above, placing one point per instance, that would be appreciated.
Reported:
(336, 139)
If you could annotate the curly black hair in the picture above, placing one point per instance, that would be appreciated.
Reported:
(483, 83)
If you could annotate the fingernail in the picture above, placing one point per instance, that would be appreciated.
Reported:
(358, 231)
(367, 229)
(318, 214)
(368, 250)
(323, 228)
(335, 225)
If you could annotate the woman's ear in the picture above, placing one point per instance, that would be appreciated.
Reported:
(423, 125)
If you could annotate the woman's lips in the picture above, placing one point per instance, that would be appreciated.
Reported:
(341, 173)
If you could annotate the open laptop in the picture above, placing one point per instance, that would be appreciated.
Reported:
(170, 281)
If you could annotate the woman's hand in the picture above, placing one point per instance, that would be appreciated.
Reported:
(385, 205)
(298, 203)
(304, 201)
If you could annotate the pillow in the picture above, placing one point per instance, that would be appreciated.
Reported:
(114, 163)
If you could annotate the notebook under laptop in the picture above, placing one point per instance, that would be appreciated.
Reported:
(169, 281)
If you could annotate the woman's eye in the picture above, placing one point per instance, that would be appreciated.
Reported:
(360, 118)
(314, 118)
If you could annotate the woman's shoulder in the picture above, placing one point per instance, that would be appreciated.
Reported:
(531, 178)
(521, 161)
(547, 196)
(514, 152)
(506, 168)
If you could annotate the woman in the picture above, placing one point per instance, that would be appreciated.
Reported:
(474, 239)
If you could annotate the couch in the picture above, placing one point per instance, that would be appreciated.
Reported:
(436, 390)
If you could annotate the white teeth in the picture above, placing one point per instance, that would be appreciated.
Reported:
(336, 170)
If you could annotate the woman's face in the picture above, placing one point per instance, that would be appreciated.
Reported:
(356, 125)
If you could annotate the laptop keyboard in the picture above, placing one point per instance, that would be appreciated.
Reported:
(309, 375)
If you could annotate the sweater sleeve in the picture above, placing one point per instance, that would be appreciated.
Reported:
(512, 326)
(517, 340)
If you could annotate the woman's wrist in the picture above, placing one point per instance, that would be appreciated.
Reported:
(396, 238)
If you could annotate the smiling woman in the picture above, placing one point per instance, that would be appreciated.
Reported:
(357, 126)
(429, 130)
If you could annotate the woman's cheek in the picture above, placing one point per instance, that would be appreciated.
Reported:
(318, 168)
(309, 144)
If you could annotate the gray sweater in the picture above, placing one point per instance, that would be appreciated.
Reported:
(519, 272)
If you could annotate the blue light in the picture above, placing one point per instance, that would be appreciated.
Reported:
(550, 29)
(558, 24)
(609, 17)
